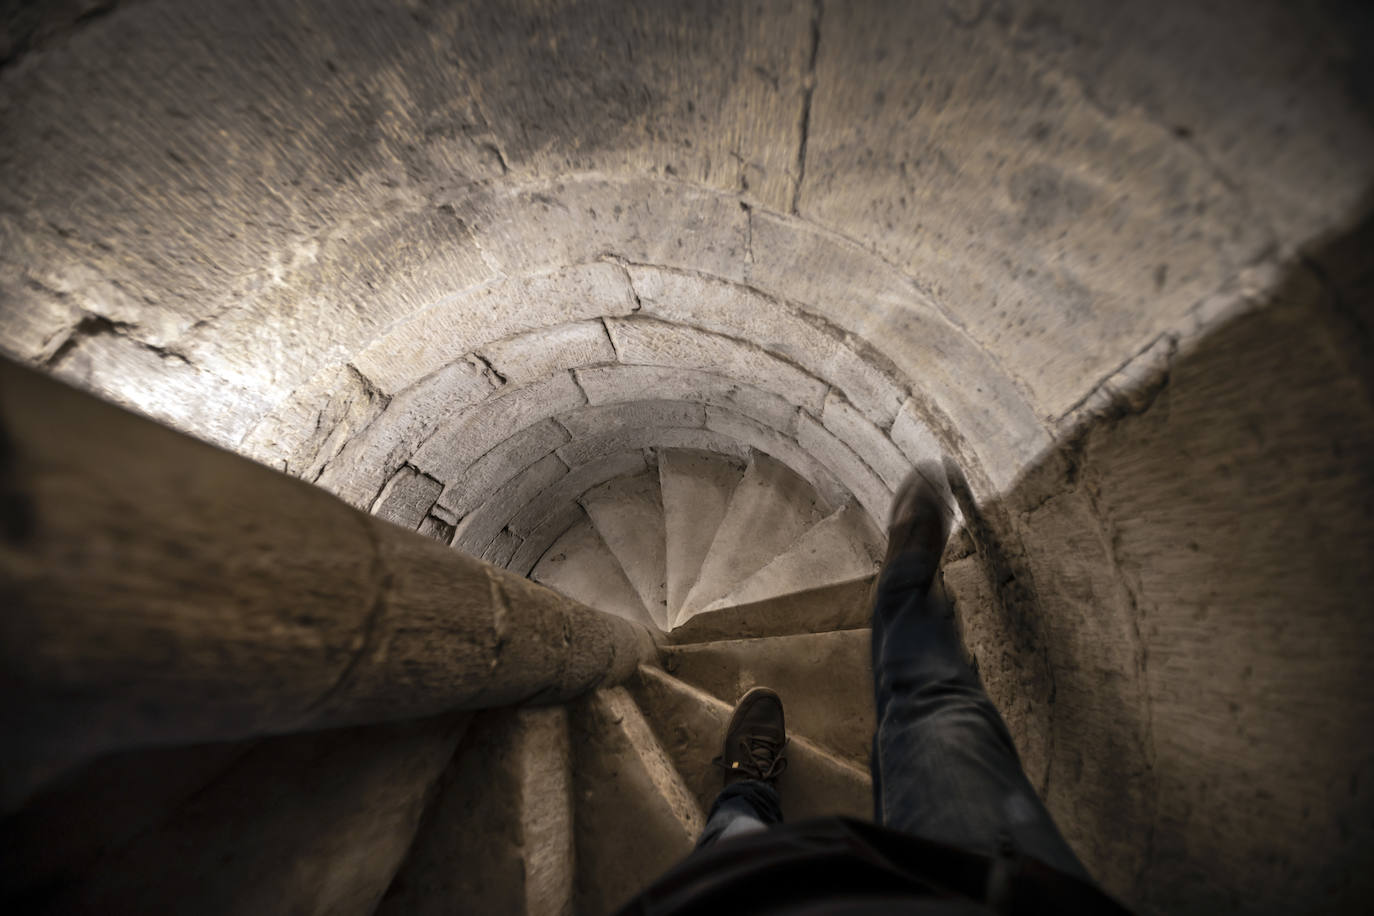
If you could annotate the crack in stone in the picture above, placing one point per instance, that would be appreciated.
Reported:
(808, 92)
(92, 325)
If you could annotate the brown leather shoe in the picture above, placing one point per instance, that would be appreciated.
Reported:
(754, 739)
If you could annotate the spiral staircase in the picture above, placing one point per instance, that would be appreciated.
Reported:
(763, 582)
(613, 327)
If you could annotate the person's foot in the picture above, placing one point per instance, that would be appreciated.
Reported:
(921, 516)
(754, 739)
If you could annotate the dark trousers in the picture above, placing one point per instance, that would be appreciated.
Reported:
(944, 766)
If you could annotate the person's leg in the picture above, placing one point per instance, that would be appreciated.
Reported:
(747, 806)
(944, 765)
(751, 756)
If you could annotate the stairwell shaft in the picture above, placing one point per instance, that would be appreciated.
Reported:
(157, 590)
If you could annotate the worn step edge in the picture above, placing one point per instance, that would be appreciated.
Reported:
(820, 766)
(586, 550)
(627, 513)
(843, 605)
(695, 489)
(622, 773)
(838, 548)
(769, 500)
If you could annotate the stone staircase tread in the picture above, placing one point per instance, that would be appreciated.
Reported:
(690, 724)
(769, 509)
(838, 606)
(581, 566)
(635, 815)
(834, 711)
(840, 547)
(696, 489)
(628, 515)
(512, 775)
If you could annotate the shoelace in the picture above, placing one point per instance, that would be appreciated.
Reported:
(762, 758)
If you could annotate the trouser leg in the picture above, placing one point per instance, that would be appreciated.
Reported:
(944, 765)
(742, 807)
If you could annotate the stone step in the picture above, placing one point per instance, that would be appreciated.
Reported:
(310, 823)
(635, 816)
(768, 511)
(696, 489)
(835, 711)
(628, 514)
(581, 566)
(691, 724)
(839, 606)
(498, 834)
(842, 546)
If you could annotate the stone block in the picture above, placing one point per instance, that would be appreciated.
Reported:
(504, 460)
(479, 528)
(527, 358)
(999, 427)
(911, 434)
(474, 318)
(464, 438)
(411, 417)
(161, 386)
(595, 421)
(847, 466)
(867, 441)
(304, 432)
(622, 440)
(561, 517)
(614, 384)
(751, 434)
(643, 220)
(581, 479)
(431, 526)
(819, 347)
(647, 342)
(500, 550)
(407, 497)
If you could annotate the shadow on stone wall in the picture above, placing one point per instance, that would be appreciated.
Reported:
(1183, 628)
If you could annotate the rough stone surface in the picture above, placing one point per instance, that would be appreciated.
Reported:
(741, 313)
(360, 468)
(507, 458)
(850, 469)
(866, 440)
(615, 384)
(530, 357)
(657, 343)
(695, 490)
(772, 443)
(512, 774)
(581, 566)
(407, 497)
(838, 548)
(690, 723)
(472, 320)
(318, 823)
(627, 439)
(834, 711)
(479, 528)
(626, 786)
(640, 414)
(769, 509)
(571, 486)
(628, 514)
(474, 432)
